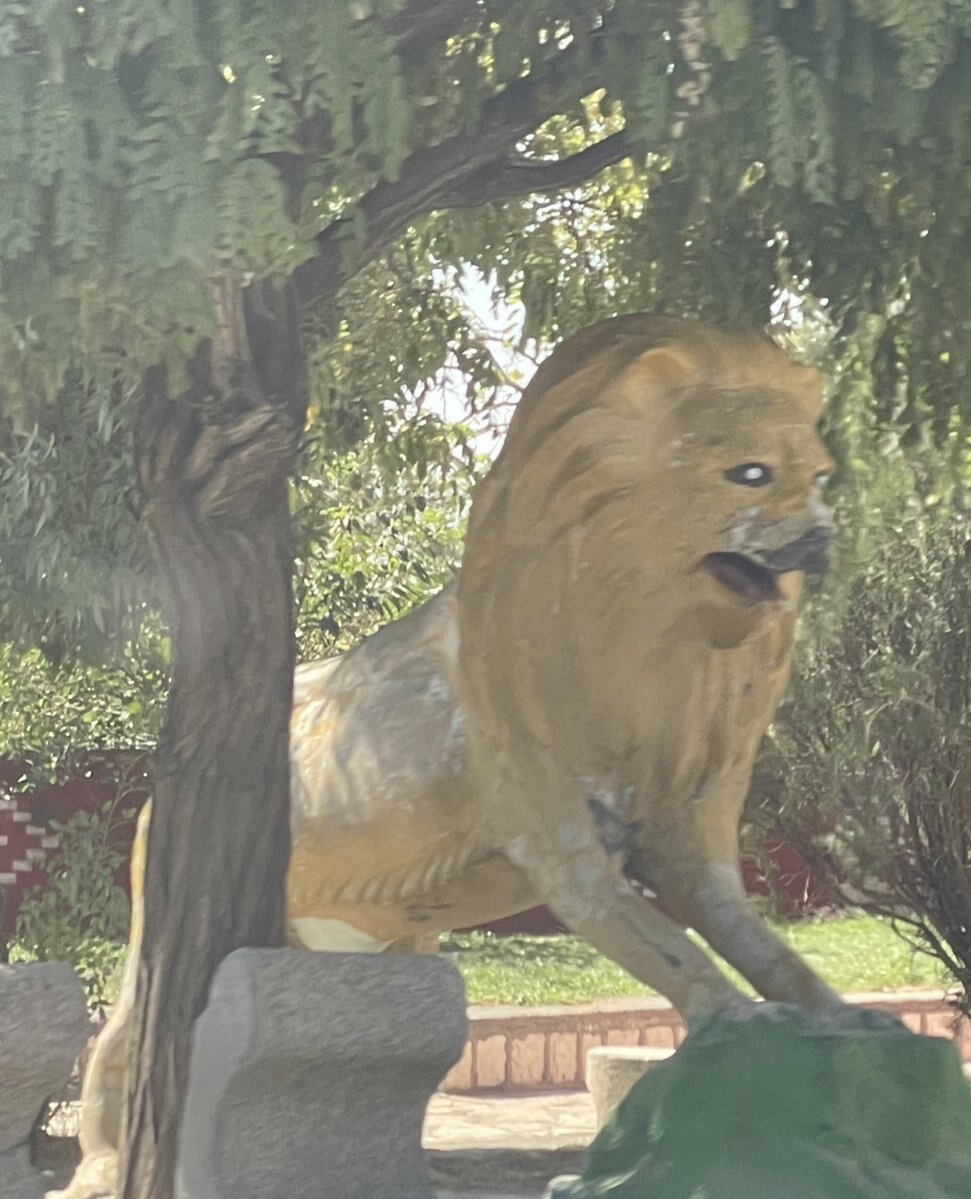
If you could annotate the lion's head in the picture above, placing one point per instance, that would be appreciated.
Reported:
(658, 496)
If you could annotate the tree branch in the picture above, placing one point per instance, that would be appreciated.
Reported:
(422, 25)
(388, 215)
(520, 176)
(462, 171)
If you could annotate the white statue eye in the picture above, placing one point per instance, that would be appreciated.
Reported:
(750, 474)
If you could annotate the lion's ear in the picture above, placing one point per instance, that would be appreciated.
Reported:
(658, 371)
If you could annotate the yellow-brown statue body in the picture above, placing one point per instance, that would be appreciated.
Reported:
(584, 704)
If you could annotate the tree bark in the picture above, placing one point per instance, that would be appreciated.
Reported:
(214, 464)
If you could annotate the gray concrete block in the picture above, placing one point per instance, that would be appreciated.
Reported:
(43, 1027)
(613, 1069)
(311, 1072)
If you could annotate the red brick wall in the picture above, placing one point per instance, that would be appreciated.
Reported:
(26, 838)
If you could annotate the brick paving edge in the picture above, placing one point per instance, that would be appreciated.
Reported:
(514, 1049)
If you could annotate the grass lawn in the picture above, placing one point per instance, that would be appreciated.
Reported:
(853, 953)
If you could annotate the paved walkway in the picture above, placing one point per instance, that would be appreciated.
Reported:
(545, 1121)
(506, 1146)
(499, 1147)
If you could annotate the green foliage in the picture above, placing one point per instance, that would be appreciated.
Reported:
(255, 234)
(77, 569)
(867, 766)
(377, 529)
(926, 33)
(407, 340)
(376, 539)
(52, 717)
(81, 916)
(145, 146)
(730, 26)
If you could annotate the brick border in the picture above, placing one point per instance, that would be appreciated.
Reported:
(515, 1049)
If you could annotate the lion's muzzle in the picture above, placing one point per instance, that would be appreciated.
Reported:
(752, 573)
(809, 553)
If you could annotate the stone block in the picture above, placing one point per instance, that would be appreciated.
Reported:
(613, 1069)
(490, 1062)
(43, 1027)
(527, 1061)
(310, 1074)
(459, 1079)
(563, 1059)
(623, 1036)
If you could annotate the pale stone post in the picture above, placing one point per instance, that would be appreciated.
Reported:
(613, 1069)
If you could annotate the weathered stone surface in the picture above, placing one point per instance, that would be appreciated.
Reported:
(19, 1178)
(310, 1075)
(43, 1027)
(780, 1104)
(613, 1069)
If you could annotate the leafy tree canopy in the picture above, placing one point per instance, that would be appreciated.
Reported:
(742, 146)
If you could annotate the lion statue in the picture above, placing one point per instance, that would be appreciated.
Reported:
(581, 708)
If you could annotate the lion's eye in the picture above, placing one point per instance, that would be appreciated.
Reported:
(750, 474)
(822, 480)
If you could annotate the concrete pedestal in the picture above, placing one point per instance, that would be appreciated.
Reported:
(311, 1072)
(43, 1027)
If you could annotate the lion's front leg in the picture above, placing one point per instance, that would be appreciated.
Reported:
(709, 896)
(559, 847)
(690, 856)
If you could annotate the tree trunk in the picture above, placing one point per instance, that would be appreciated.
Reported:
(214, 463)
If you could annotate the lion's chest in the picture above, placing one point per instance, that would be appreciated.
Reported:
(692, 725)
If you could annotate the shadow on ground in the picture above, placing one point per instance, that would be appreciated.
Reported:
(511, 1171)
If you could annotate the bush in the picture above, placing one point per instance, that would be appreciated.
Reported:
(82, 915)
(868, 768)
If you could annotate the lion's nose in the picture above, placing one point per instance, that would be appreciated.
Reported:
(810, 552)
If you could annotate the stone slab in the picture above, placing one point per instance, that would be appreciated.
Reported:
(310, 1075)
(43, 1027)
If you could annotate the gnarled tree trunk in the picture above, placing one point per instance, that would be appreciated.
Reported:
(214, 463)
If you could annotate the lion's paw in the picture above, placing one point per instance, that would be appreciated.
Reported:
(95, 1178)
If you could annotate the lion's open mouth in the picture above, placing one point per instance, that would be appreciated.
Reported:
(749, 579)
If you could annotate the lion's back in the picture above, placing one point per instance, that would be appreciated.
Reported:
(378, 727)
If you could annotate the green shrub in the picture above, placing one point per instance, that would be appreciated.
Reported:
(868, 767)
(81, 916)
